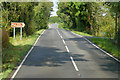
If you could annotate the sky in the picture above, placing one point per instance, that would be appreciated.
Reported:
(55, 8)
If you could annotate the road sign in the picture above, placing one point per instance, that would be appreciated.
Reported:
(17, 25)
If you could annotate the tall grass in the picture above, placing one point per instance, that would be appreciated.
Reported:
(15, 52)
(107, 45)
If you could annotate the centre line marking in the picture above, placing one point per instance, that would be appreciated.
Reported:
(75, 66)
(63, 41)
(67, 49)
(58, 32)
(73, 62)
(61, 36)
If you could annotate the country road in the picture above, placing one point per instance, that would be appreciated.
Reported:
(61, 54)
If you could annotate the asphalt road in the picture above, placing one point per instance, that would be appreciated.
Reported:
(62, 54)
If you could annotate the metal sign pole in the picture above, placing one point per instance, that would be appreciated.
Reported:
(14, 33)
(21, 33)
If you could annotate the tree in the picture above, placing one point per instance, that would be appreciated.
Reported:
(91, 17)
(115, 9)
(54, 19)
(27, 12)
(75, 14)
(42, 14)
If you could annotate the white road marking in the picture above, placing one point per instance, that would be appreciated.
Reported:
(64, 41)
(67, 49)
(61, 36)
(58, 32)
(13, 76)
(73, 62)
(102, 50)
(75, 66)
(97, 47)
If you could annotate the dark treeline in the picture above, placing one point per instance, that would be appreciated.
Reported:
(35, 15)
(94, 18)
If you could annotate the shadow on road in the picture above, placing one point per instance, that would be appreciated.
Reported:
(50, 56)
(105, 62)
(110, 64)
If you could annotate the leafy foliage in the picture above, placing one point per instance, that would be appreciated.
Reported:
(54, 19)
(73, 14)
(115, 9)
(94, 18)
(35, 16)
(42, 13)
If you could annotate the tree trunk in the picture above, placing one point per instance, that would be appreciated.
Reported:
(5, 38)
(115, 27)
(118, 34)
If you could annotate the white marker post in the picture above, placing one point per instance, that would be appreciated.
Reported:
(17, 25)
(14, 33)
(21, 33)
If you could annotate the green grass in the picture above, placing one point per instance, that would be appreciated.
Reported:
(15, 52)
(81, 33)
(61, 25)
(107, 45)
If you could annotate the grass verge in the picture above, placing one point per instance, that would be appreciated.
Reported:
(81, 33)
(107, 45)
(60, 25)
(15, 52)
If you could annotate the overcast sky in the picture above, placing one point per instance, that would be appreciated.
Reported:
(55, 8)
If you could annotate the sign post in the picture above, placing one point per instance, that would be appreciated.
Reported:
(14, 32)
(21, 33)
(17, 25)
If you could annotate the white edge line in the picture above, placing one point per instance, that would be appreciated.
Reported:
(25, 57)
(97, 47)
(102, 50)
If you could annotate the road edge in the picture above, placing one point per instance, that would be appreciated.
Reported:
(25, 57)
(97, 47)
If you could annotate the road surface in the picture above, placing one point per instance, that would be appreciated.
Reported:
(61, 54)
